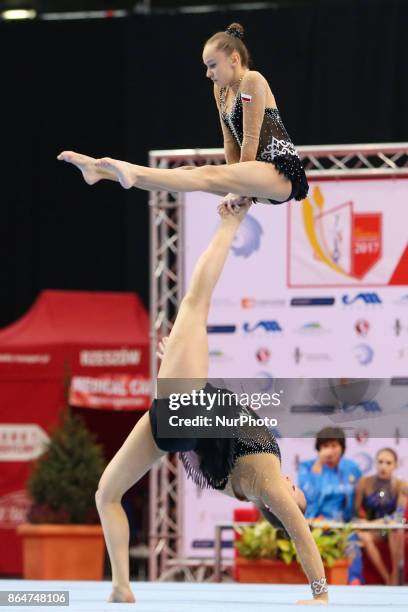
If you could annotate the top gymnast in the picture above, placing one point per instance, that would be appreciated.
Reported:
(262, 162)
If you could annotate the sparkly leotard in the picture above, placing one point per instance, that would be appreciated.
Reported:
(209, 461)
(381, 500)
(275, 145)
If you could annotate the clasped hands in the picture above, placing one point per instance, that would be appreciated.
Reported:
(231, 203)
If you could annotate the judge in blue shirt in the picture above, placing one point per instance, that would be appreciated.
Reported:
(329, 480)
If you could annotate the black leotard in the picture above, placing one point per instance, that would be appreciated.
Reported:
(209, 461)
(275, 145)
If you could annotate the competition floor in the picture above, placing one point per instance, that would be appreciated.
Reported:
(230, 597)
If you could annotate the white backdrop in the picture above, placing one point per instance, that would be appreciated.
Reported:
(312, 289)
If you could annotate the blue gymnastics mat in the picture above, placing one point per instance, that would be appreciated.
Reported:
(207, 597)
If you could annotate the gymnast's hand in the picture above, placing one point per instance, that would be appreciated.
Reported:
(162, 347)
(316, 601)
(231, 203)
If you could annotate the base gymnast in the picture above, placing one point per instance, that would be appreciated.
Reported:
(262, 161)
(247, 468)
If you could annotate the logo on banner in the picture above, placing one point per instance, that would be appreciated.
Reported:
(22, 442)
(398, 327)
(366, 406)
(367, 299)
(263, 355)
(267, 326)
(348, 243)
(312, 328)
(247, 302)
(219, 356)
(299, 355)
(248, 238)
(312, 301)
(362, 436)
(14, 508)
(362, 327)
(364, 354)
(221, 329)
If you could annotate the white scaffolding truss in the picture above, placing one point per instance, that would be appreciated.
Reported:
(166, 274)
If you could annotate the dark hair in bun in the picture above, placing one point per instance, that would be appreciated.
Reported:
(232, 40)
(235, 29)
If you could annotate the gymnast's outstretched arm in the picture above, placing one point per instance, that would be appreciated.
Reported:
(260, 480)
(281, 503)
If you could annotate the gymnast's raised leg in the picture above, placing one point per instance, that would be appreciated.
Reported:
(249, 178)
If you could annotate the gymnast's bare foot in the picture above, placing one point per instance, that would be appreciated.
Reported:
(86, 165)
(125, 173)
(121, 595)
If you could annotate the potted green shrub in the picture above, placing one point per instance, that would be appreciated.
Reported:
(266, 555)
(63, 538)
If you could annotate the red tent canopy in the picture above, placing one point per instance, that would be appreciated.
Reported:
(98, 341)
(75, 317)
(61, 324)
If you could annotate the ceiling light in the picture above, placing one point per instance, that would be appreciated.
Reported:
(19, 14)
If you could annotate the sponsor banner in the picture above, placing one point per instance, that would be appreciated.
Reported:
(308, 291)
(342, 329)
(107, 391)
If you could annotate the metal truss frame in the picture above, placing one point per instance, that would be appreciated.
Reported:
(167, 279)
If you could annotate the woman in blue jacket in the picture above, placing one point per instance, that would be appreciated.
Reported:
(329, 480)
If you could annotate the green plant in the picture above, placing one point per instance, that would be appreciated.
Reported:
(262, 541)
(64, 479)
(332, 544)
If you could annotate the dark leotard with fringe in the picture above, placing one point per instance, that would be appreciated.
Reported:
(210, 461)
(275, 146)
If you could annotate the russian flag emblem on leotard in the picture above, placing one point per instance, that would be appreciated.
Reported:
(246, 97)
